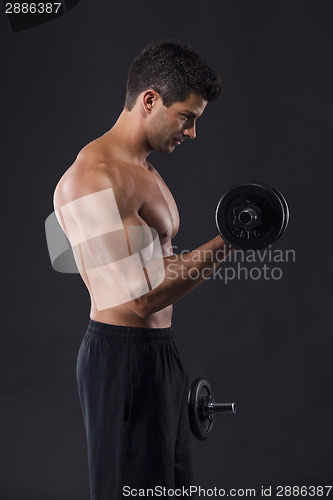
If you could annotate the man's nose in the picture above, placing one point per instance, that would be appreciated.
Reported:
(190, 132)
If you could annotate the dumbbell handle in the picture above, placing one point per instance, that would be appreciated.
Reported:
(219, 408)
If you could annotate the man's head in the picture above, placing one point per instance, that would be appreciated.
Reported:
(174, 70)
(174, 85)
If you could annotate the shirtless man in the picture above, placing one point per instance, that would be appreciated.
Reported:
(132, 383)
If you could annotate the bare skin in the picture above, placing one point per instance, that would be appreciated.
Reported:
(118, 159)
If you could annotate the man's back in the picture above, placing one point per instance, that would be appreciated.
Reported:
(142, 199)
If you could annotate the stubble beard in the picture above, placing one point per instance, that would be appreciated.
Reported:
(159, 138)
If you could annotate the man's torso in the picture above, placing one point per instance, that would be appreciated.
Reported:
(151, 200)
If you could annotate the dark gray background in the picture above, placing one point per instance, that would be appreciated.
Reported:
(265, 344)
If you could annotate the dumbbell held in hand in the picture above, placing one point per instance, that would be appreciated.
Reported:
(251, 216)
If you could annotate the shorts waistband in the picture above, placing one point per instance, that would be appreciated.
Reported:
(130, 333)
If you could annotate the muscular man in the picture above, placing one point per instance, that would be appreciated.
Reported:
(110, 203)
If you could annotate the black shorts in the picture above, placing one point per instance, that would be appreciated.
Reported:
(133, 392)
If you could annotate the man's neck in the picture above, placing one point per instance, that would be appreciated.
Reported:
(128, 139)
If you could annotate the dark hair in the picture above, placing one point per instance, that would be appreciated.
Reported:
(174, 70)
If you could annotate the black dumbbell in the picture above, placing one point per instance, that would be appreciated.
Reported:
(251, 216)
(202, 408)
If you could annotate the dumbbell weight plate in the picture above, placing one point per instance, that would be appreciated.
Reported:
(251, 216)
(198, 398)
(286, 210)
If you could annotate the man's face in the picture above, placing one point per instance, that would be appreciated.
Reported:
(168, 127)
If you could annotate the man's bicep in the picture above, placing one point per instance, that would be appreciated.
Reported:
(96, 225)
(90, 216)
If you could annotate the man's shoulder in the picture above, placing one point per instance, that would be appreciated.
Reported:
(91, 173)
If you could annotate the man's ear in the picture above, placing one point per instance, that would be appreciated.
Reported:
(149, 99)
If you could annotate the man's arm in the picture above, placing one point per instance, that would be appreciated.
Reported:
(115, 252)
(183, 273)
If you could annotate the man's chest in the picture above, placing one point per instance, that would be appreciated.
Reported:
(159, 209)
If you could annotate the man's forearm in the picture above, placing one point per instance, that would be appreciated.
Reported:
(183, 273)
